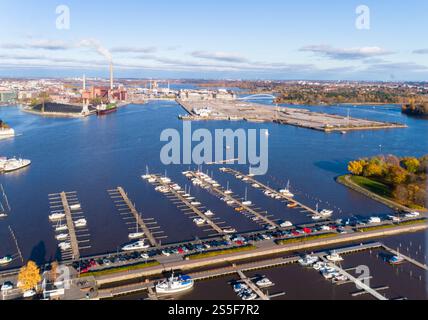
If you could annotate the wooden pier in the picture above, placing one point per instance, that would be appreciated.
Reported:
(185, 203)
(238, 203)
(61, 203)
(408, 259)
(263, 187)
(70, 224)
(252, 286)
(125, 206)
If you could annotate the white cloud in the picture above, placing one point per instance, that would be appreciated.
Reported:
(346, 53)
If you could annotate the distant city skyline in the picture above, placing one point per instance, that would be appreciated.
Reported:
(278, 40)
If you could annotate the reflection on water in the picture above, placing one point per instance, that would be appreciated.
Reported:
(95, 154)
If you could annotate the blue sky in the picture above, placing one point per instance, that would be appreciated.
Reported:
(306, 39)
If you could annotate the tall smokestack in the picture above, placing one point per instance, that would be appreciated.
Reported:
(84, 82)
(111, 76)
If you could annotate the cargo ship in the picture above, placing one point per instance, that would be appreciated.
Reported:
(106, 109)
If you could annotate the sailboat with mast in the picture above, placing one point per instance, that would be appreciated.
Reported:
(246, 202)
(137, 234)
(4, 204)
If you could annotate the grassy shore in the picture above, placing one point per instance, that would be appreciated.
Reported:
(210, 254)
(308, 238)
(388, 226)
(120, 269)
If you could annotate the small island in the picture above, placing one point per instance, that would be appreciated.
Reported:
(400, 183)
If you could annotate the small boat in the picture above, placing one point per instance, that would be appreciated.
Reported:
(136, 235)
(57, 216)
(247, 203)
(375, 220)
(229, 230)
(139, 245)
(5, 260)
(64, 246)
(317, 217)
(81, 223)
(239, 287)
(264, 283)
(256, 186)
(334, 257)
(61, 227)
(195, 203)
(199, 221)
(292, 205)
(174, 285)
(396, 260)
(249, 296)
(286, 224)
(62, 237)
(326, 213)
(228, 192)
(308, 261)
(75, 207)
(29, 294)
(209, 213)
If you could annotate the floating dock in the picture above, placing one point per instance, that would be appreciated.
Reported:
(263, 187)
(61, 203)
(125, 206)
(186, 205)
(238, 203)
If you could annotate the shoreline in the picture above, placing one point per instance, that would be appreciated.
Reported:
(346, 181)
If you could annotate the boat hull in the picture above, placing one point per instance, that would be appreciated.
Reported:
(105, 112)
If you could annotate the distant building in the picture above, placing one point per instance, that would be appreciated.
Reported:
(8, 96)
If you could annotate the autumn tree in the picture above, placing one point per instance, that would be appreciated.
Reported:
(411, 164)
(29, 276)
(373, 169)
(356, 167)
(396, 175)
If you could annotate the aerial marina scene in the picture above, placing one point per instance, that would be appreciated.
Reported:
(204, 182)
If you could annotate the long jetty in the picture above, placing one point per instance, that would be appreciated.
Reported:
(222, 193)
(70, 224)
(189, 205)
(289, 199)
(120, 192)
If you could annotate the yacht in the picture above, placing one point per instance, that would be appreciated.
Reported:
(136, 235)
(139, 245)
(317, 217)
(374, 220)
(286, 224)
(229, 230)
(62, 237)
(199, 221)
(334, 257)
(248, 295)
(5, 260)
(209, 213)
(174, 285)
(57, 216)
(264, 283)
(195, 203)
(75, 207)
(247, 203)
(64, 246)
(6, 132)
(326, 213)
(80, 223)
(61, 227)
(13, 164)
(238, 287)
(308, 261)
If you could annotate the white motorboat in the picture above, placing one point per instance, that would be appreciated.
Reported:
(247, 203)
(75, 207)
(57, 216)
(308, 261)
(199, 221)
(238, 287)
(326, 213)
(209, 213)
(375, 220)
(29, 294)
(81, 223)
(174, 285)
(256, 186)
(61, 227)
(13, 164)
(264, 283)
(139, 245)
(64, 246)
(5, 260)
(334, 257)
(62, 237)
(286, 224)
(230, 230)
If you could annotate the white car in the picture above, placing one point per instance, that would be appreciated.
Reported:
(29, 293)
(7, 286)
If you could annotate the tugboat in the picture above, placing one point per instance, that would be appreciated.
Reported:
(175, 285)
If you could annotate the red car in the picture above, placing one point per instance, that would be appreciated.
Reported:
(307, 230)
